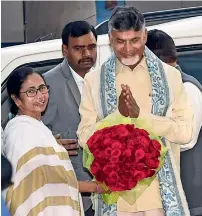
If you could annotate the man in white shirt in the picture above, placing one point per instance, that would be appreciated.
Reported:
(66, 82)
(191, 172)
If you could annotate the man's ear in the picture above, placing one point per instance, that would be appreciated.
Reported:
(64, 50)
(145, 36)
(110, 38)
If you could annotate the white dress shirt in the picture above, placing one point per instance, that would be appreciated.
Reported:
(78, 79)
(195, 96)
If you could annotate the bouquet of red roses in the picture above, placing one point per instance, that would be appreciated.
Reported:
(124, 158)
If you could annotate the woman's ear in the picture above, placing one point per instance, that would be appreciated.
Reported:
(16, 100)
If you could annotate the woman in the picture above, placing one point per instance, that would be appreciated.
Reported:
(44, 179)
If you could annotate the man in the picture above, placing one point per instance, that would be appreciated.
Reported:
(135, 83)
(66, 82)
(162, 45)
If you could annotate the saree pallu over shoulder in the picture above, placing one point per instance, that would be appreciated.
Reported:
(172, 194)
(44, 182)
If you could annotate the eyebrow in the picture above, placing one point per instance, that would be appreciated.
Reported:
(130, 39)
(83, 46)
(35, 86)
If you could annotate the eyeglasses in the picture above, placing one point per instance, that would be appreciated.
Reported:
(32, 92)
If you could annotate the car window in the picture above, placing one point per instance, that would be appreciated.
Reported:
(191, 62)
(41, 67)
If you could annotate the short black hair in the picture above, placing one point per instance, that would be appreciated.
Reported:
(124, 18)
(15, 81)
(162, 45)
(76, 29)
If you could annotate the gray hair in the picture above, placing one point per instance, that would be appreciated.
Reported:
(124, 18)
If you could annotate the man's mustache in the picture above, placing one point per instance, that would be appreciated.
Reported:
(85, 59)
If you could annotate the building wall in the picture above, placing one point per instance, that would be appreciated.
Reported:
(12, 24)
(44, 17)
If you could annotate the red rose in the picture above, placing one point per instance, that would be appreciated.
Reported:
(141, 132)
(156, 145)
(116, 145)
(95, 167)
(107, 136)
(118, 186)
(130, 128)
(132, 182)
(108, 151)
(113, 159)
(140, 166)
(100, 176)
(130, 143)
(145, 142)
(150, 173)
(156, 154)
(112, 177)
(148, 156)
(152, 163)
(107, 169)
(95, 143)
(127, 165)
(127, 152)
(106, 142)
(97, 153)
(139, 154)
(122, 131)
(116, 153)
(139, 175)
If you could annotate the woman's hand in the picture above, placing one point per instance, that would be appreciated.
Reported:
(100, 189)
(91, 187)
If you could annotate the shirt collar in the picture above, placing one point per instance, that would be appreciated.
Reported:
(77, 77)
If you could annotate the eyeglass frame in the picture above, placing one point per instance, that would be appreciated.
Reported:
(37, 89)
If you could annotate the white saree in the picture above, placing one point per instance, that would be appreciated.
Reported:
(44, 182)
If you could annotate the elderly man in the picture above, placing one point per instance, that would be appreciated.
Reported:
(66, 82)
(135, 83)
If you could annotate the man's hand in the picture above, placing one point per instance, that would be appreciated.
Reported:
(133, 108)
(127, 104)
(71, 145)
(122, 102)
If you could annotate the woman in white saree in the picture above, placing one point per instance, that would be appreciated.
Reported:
(44, 182)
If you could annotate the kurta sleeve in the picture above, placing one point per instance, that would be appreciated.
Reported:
(195, 96)
(177, 125)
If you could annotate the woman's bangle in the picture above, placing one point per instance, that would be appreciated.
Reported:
(97, 187)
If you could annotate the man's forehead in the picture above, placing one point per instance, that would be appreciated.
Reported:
(128, 34)
(82, 40)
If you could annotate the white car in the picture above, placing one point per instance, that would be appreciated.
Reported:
(43, 56)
